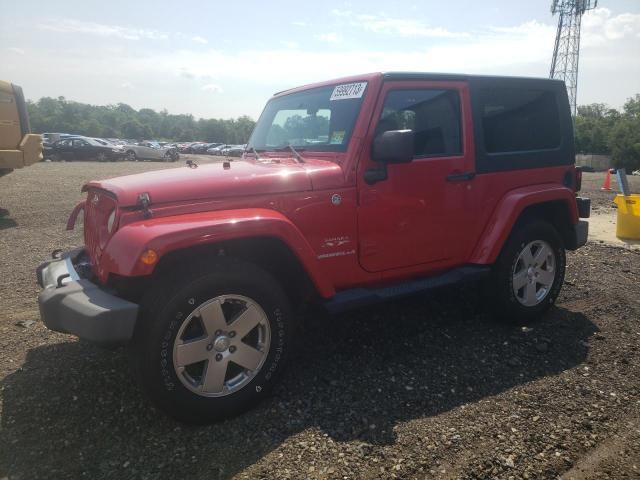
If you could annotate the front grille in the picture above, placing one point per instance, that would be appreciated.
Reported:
(98, 207)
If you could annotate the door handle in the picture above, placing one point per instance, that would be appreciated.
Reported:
(461, 177)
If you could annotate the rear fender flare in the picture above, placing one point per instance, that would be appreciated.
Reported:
(167, 234)
(508, 211)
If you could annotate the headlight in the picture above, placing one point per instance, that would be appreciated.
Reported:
(111, 221)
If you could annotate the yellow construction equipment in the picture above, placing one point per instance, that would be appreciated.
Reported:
(18, 146)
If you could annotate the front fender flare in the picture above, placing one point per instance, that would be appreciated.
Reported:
(167, 234)
(508, 211)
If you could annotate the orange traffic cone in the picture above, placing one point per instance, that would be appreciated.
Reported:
(606, 185)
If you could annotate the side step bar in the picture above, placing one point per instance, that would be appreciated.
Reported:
(359, 297)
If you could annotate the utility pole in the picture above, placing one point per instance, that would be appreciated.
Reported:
(566, 52)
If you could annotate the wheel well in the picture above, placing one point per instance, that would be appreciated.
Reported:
(270, 254)
(555, 213)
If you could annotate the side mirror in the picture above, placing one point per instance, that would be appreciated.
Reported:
(393, 146)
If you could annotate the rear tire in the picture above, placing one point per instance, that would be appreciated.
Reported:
(203, 311)
(528, 275)
(131, 156)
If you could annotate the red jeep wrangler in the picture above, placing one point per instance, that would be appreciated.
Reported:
(350, 191)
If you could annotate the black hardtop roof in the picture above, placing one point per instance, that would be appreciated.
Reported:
(483, 79)
(462, 77)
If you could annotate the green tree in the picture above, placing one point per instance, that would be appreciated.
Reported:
(112, 121)
(625, 143)
(133, 129)
(93, 128)
(625, 136)
(632, 106)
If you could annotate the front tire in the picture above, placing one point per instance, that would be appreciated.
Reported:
(211, 341)
(528, 274)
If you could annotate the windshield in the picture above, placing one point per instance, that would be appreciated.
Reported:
(320, 119)
(93, 141)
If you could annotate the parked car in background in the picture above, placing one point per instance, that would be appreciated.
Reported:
(189, 147)
(234, 151)
(218, 150)
(184, 147)
(105, 141)
(51, 138)
(83, 148)
(202, 147)
(151, 151)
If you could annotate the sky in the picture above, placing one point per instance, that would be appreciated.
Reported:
(225, 59)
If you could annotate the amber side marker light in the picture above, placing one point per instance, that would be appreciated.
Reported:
(149, 257)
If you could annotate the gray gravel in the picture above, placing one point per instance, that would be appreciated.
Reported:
(425, 387)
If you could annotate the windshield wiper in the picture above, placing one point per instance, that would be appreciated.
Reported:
(282, 148)
(294, 151)
(254, 151)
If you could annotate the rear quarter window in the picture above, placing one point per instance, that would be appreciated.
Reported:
(521, 124)
(519, 120)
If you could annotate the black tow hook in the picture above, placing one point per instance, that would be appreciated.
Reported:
(62, 277)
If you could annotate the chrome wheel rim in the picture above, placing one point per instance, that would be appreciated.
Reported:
(222, 345)
(534, 273)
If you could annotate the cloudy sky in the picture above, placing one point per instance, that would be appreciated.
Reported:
(224, 59)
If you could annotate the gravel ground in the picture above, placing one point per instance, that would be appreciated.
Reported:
(420, 388)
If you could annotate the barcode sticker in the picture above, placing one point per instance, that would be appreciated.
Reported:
(348, 90)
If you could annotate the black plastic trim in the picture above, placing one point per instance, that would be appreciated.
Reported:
(584, 207)
(581, 233)
(359, 297)
(81, 307)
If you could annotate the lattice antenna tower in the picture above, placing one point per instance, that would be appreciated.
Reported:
(566, 52)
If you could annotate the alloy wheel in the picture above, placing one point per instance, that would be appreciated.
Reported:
(534, 273)
(221, 345)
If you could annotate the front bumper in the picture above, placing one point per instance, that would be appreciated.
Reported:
(72, 304)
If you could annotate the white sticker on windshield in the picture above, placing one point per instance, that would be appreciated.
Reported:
(348, 90)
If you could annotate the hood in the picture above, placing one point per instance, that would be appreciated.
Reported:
(174, 185)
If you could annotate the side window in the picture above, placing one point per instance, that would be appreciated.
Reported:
(518, 120)
(433, 115)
